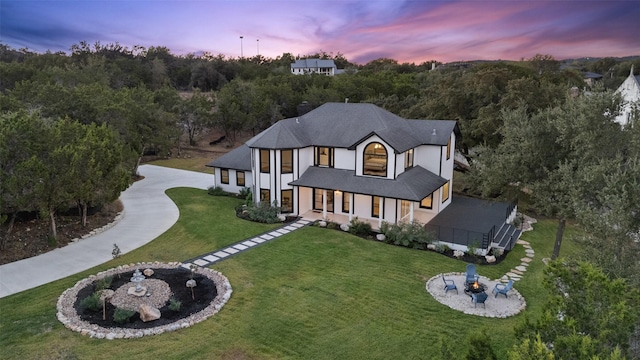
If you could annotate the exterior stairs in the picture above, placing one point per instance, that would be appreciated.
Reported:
(506, 237)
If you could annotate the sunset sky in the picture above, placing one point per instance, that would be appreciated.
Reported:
(407, 31)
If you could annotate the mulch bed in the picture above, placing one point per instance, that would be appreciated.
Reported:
(204, 294)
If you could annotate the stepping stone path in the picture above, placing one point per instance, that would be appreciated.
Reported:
(244, 245)
(517, 272)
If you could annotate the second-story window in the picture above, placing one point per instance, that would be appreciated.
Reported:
(408, 159)
(323, 156)
(286, 164)
(375, 160)
(264, 161)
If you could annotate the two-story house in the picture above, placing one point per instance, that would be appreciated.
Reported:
(313, 66)
(344, 160)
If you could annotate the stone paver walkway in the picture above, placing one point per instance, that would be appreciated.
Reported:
(517, 272)
(244, 245)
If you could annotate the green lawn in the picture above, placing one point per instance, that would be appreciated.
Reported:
(196, 163)
(312, 294)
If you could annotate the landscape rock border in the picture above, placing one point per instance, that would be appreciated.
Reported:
(67, 314)
(119, 216)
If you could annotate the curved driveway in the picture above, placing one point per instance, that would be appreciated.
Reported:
(148, 212)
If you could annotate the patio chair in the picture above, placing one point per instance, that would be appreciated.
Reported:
(479, 298)
(471, 274)
(449, 285)
(503, 289)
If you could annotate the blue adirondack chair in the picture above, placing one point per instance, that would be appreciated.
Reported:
(502, 288)
(471, 274)
(479, 298)
(449, 285)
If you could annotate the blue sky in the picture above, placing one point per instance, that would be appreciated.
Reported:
(408, 31)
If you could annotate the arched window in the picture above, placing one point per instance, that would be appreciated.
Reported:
(375, 160)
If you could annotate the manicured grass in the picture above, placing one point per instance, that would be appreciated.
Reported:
(196, 163)
(312, 294)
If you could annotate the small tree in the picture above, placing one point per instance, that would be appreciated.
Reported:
(588, 314)
(480, 347)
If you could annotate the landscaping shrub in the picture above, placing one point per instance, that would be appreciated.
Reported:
(216, 191)
(122, 316)
(103, 283)
(473, 247)
(359, 228)
(441, 248)
(244, 193)
(262, 213)
(174, 304)
(409, 234)
(91, 302)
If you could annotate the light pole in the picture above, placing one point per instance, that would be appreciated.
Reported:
(258, 46)
(241, 53)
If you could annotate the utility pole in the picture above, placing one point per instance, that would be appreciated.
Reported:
(258, 45)
(241, 52)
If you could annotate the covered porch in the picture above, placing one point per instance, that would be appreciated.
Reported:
(315, 215)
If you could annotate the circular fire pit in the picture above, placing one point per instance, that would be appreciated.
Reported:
(474, 287)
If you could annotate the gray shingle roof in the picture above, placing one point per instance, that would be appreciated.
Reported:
(344, 125)
(414, 184)
(238, 159)
(313, 63)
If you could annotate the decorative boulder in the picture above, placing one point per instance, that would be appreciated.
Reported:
(322, 223)
(148, 272)
(458, 253)
(282, 218)
(148, 313)
(490, 259)
(380, 237)
(344, 227)
(431, 247)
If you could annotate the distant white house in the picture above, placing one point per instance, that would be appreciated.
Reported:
(313, 66)
(630, 92)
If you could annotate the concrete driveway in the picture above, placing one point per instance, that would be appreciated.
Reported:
(148, 212)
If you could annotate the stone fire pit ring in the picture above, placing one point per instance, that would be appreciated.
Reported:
(67, 314)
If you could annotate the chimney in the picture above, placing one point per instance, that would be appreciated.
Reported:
(346, 100)
(434, 132)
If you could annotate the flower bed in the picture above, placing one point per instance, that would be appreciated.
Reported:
(167, 282)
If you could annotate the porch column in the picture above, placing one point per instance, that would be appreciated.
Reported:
(411, 211)
(324, 204)
(350, 206)
(381, 207)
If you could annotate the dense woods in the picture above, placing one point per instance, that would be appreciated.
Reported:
(73, 128)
